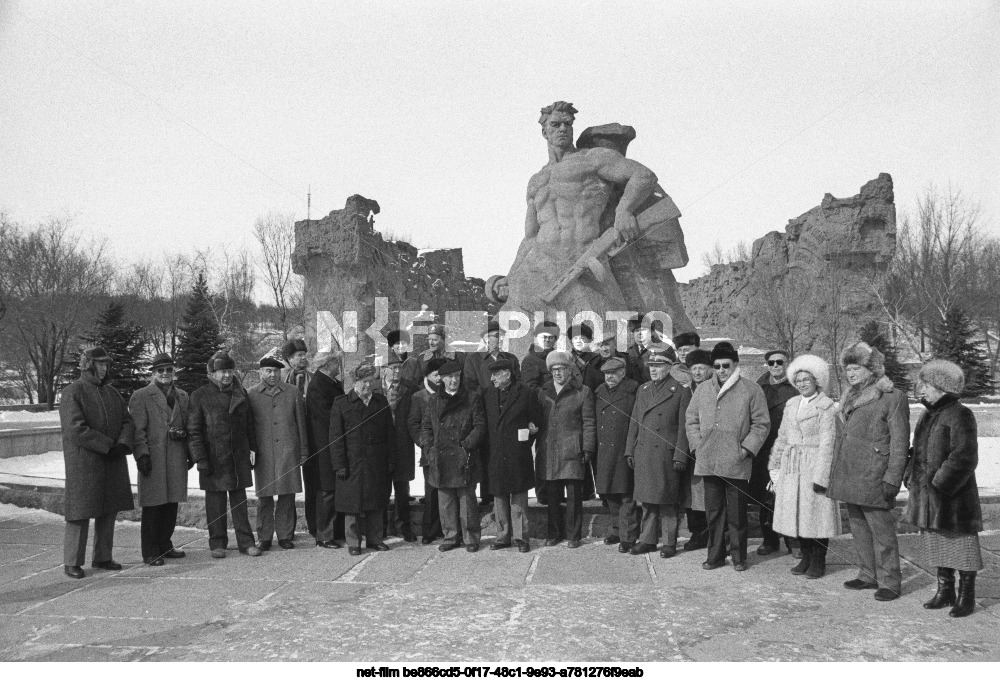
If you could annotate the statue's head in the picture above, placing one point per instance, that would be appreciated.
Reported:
(557, 124)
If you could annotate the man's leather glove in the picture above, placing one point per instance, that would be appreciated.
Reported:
(818, 488)
(342, 474)
(630, 460)
(118, 449)
(680, 466)
(889, 492)
(144, 464)
(204, 466)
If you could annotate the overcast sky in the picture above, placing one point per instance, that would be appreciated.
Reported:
(171, 125)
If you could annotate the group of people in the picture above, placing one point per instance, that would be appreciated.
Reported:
(660, 430)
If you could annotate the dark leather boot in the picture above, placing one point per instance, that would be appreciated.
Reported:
(817, 562)
(945, 595)
(966, 602)
(803, 565)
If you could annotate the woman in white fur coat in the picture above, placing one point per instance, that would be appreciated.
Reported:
(800, 466)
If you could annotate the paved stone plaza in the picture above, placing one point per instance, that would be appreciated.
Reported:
(415, 604)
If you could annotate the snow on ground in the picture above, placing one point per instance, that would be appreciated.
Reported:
(50, 416)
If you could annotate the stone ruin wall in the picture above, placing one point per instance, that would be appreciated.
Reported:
(857, 235)
(347, 264)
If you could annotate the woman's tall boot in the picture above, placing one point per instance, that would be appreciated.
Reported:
(817, 565)
(803, 565)
(966, 595)
(945, 595)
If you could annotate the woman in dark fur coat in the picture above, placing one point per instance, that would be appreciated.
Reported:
(941, 479)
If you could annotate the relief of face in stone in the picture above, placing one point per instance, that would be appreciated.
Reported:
(496, 289)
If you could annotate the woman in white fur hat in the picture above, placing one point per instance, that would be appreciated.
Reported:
(800, 466)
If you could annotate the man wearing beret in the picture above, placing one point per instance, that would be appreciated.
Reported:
(279, 417)
(413, 368)
(452, 430)
(614, 479)
(97, 436)
(159, 412)
(699, 363)
(399, 393)
(363, 454)
(534, 372)
(327, 525)
(220, 436)
(512, 415)
(566, 443)
(608, 348)
(477, 378)
(727, 424)
(431, 523)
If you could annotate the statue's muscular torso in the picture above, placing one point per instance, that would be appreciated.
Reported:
(566, 200)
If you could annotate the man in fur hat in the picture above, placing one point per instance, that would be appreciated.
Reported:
(534, 373)
(159, 412)
(431, 525)
(699, 364)
(279, 417)
(399, 344)
(294, 353)
(97, 434)
(220, 436)
(400, 392)
(584, 361)
(326, 525)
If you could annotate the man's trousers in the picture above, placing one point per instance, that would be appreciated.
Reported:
(75, 539)
(215, 511)
(572, 491)
(874, 532)
(329, 523)
(460, 503)
(511, 513)
(367, 525)
(657, 520)
(625, 517)
(276, 518)
(726, 505)
(156, 529)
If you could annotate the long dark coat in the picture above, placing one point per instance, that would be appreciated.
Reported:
(587, 365)
(614, 415)
(512, 468)
(873, 442)
(406, 452)
(776, 395)
(569, 431)
(657, 439)
(220, 429)
(534, 373)
(413, 367)
(419, 404)
(452, 431)
(942, 473)
(323, 390)
(362, 440)
(153, 419)
(280, 435)
(93, 418)
(635, 364)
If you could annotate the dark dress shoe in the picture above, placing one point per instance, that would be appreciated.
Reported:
(496, 546)
(174, 553)
(884, 594)
(668, 552)
(409, 537)
(448, 546)
(707, 565)
(573, 544)
(107, 565)
(328, 545)
(74, 571)
(641, 548)
(265, 545)
(859, 585)
(286, 544)
(153, 562)
(472, 548)
(695, 544)
(612, 539)
(766, 549)
(624, 547)
(740, 566)
(426, 540)
(381, 546)
(523, 547)
(552, 542)
(354, 550)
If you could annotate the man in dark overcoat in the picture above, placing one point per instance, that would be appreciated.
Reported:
(220, 436)
(613, 476)
(437, 346)
(657, 450)
(399, 393)
(294, 353)
(566, 443)
(363, 454)
(324, 388)
(97, 436)
(512, 417)
(279, 416)
(159, 412)
(534, 373)
(431, 522)
(777, 391)
(585, 362)
(452, 431)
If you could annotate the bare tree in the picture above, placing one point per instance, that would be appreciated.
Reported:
(738, 252)
(52, 278)
(778, 308)
(275, 235)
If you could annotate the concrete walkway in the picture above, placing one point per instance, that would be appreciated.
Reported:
(414, 604)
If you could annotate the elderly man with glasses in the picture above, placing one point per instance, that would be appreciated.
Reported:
(159, 413)
(727, 423)
(777, 391)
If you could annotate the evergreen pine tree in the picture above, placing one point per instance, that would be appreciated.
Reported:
(873, 334)
(199, 338)
(953, 340)
(122, 340)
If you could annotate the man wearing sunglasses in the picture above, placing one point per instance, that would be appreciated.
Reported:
(727, 423)
(159, 413)
(777, 391)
